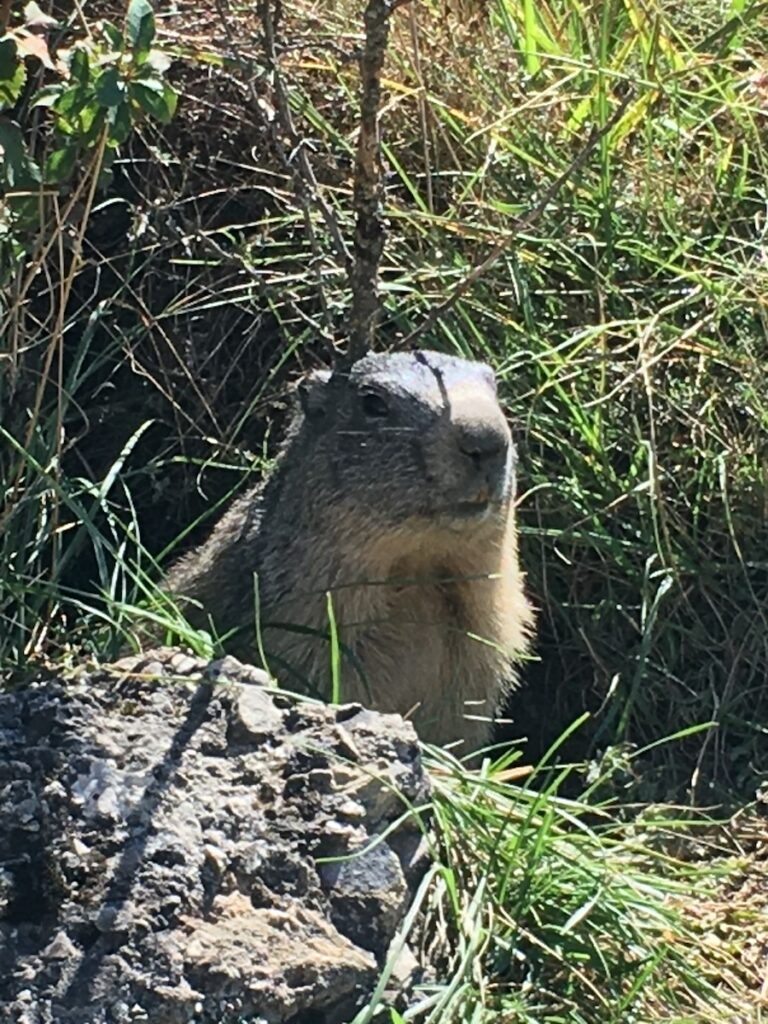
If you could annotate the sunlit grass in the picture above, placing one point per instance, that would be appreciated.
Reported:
(539, 908)
(627, 324)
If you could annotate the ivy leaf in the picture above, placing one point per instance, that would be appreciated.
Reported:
(156, 98)
(17, 168)
(110, 88)
(140, 27)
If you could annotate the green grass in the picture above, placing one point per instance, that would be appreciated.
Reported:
(628, 328)
(627, 324)
(542, 909)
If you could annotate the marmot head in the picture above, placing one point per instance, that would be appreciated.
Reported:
(408, 437)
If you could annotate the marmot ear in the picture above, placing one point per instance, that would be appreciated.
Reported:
(313, 394)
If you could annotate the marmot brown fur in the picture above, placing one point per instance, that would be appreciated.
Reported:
(393, 493)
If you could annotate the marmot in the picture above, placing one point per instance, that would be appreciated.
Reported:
(394, 493)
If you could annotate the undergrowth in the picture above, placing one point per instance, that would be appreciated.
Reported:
(164, 280)
(540, 909)
(155, 318)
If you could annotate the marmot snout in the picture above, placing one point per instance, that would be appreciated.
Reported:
(393, 496)
(478, 477)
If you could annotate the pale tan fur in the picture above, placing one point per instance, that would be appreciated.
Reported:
(438, 627)
(431, 604)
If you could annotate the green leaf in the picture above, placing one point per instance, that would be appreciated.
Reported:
(13, 74)
(88, 115)
(25, 207)
(171, 99)
(78, 66)
(71, 101)
(140, 27)
(10, 88)
(48, 96)
(9, 58)
(120, 124)
(110, 88)
(91, 123)
(150, 79)
(17, 168)
(113, 34)
(61, 163)
(160, 103)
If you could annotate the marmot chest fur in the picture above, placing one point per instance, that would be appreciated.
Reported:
(390, 513)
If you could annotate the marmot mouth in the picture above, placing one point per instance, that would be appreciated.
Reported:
(480, 507)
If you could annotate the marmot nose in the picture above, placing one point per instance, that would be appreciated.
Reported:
(485, 443)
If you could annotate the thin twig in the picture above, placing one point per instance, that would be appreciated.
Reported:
(520, 224)
(423, 108)
(88, 184)
(368, 187)
(296, 161)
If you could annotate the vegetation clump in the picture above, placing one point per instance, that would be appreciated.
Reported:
(173, 251)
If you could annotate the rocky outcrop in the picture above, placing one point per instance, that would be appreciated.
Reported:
(179, 843)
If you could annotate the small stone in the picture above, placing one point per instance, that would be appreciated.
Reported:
(406, 972)
(321, 780)
(230, 670)
(351, 809)
(183, 665)
(254, 716)
(368, 894)
(215, 859)
(346, 745)
(107, 803)
(153, 668)
(130, 663)
(60, 947)
(345, 835)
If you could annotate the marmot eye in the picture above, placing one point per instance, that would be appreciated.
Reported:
(374, 405)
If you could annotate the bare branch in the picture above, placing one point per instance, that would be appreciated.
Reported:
(368, 187)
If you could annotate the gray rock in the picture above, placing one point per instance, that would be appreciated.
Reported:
(368, 896)
(177, 844)
(255, 716)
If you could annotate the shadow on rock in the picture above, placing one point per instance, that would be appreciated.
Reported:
(179, 843)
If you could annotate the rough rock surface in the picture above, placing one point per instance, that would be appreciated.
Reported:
(169, 844)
